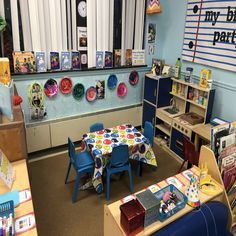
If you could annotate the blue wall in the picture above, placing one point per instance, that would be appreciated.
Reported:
(64, 106)
(170, 32)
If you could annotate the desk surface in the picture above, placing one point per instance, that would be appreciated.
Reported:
(21, 182)
(204, 131)
(112, 211)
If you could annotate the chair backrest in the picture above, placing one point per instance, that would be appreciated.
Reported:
(190, 154)
(96, 127)
(149, 132)
(119, 156)
(71, 151)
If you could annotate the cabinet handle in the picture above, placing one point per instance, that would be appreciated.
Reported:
(155, 92)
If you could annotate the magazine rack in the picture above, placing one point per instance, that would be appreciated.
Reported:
(207, 156)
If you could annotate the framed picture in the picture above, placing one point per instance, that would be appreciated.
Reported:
(158, 64)
(166, 70)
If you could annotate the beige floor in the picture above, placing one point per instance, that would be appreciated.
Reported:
(55, 213)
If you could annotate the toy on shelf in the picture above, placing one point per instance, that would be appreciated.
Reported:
(205, 76)
(154, 69)
(192, 192)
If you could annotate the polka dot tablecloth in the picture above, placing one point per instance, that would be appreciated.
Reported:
(100, 145)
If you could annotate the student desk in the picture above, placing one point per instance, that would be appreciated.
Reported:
(202, 131)
(21, 182)
(112, 212)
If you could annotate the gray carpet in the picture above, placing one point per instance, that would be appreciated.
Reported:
(55, 213)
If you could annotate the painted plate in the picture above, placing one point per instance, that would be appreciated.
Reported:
(112, 82)
(78, 91)
(133, 77)
(121, 89)
(50, 88)
(65, 85)
(91, 94)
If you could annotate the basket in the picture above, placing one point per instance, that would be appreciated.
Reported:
(181, 201)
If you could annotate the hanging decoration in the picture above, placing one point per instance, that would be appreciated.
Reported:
(121, 89)
(51, 88)
(91, 94)
(36, 101)
(133, 77)
(100, 87)
(112, 81)
(153, 6)
(66, 85)
(78, 91)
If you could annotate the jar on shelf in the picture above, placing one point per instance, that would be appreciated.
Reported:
(188, 74)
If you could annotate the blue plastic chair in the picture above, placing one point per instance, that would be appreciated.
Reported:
(82, 163)
(149, 134)
(119, 162)
(96, 127)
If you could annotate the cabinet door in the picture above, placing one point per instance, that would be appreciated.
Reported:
(150, 90)
(176, 144)
(164, 96)
(38, 138)
(149, 113)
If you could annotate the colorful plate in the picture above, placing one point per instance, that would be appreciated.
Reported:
(78, 91)
(133, 77)
(121, 89)
(50, 88)
(65, 85)
(112, 82)
(91, 94)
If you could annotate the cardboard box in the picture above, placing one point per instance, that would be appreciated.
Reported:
(151, 205)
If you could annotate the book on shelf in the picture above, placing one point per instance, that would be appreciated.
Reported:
(5, 73)
(40, 62)
(117, 57)
(75, 60)
(24, 62)
(65, 60)
(99, 59)
(138, 57)
(229, 178)
(7, 173)
(54, 60)
(108, 59)
(128, 57)
(7, 218)
(84, 59)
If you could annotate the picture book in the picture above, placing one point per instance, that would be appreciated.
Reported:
(99, 59)
(24, 62)
(229, 178)
(117, 57)
(7, 173)
(54, 60)
(76, 60)
(40, 62)
(7, 218)
(138, 57)
(108, 59)
(82, 38)
(128, 57)
(5, 74)
(65, 61)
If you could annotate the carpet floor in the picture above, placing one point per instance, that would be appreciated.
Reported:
(55, 213)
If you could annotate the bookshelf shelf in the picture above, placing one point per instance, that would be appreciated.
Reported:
(164, 129)
(177, 95)
(199, 105)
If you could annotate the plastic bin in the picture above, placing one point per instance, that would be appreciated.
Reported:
(181, 201)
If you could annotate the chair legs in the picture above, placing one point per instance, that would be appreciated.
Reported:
(67, 174)
(181, 167)
(75, 192)
(108, 186)
(139, 169)
(130, 181)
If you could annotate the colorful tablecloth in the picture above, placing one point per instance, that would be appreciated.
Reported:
(100, 145)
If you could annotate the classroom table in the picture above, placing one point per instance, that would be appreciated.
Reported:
(112, 224)
(100, 145)
(24, 213)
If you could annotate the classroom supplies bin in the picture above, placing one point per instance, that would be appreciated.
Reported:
(132, 216)
(181, 201)
(151, 205)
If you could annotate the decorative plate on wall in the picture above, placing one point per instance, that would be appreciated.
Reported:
(91, 94)
(133, 77)
(112, 82)
(121, 89)
(65, 85)
(78, 91)
(50, 88)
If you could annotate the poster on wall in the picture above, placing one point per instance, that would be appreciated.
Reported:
(210, 33)
(100, 87)
(151, 33)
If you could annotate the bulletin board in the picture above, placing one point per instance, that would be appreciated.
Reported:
(210, 33)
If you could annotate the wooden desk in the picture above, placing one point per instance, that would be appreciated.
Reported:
(112, 212)
(21, 182)
(202, 131)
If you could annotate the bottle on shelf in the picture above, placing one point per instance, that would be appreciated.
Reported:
(188, 74)
(178, 66)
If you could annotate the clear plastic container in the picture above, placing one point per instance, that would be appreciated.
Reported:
(188, 74)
